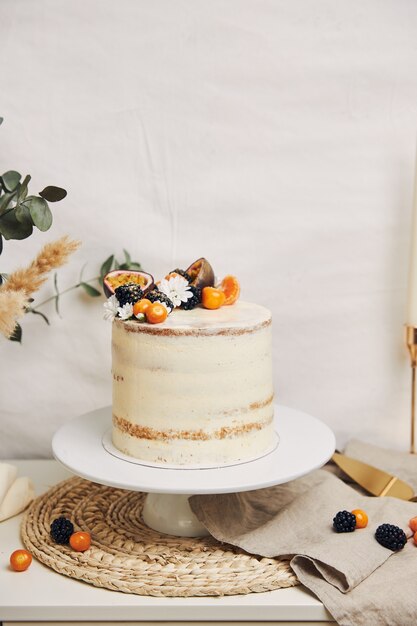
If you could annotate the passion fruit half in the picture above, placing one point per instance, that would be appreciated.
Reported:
(202, 274)
(116, 278)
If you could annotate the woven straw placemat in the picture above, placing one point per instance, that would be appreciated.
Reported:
(126, 555)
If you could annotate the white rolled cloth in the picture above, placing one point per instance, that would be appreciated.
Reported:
(15, 493)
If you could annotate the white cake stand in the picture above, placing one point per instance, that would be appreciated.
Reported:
(82, 446)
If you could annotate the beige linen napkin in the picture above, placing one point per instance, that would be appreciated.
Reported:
(15, 493)
(360, 582)
(400, 464)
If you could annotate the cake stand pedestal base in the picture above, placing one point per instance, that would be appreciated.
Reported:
(171, 514)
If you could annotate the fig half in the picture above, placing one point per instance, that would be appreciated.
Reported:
(202, 274)
(116, 278)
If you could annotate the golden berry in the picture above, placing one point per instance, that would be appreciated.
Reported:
(20, 560)
(156, 313)
(80, 541)
(361, 518)
(140, 306)
(213, 298)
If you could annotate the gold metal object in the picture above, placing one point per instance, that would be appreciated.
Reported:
(411, 341)
(374, 480)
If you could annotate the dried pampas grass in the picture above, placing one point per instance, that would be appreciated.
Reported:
(52, 255)
(12, 308)
(22, 283)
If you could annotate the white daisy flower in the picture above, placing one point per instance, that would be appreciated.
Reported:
(111, 307)
(176, 288)
(125, 311)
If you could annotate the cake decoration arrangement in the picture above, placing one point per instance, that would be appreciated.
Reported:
(192, 368)
(135, 295)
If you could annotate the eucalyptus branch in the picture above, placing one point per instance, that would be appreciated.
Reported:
(20, 213)
(61, 293)
(111, 263)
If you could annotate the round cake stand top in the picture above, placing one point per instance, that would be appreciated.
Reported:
(305, 444)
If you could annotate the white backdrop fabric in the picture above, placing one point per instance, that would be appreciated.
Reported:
(275, 138)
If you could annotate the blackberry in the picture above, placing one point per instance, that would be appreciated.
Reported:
(61, 530)
(391, 537)
(128, 293)
(157, 296)
(182, 273)
(344, 522)
(194, 301)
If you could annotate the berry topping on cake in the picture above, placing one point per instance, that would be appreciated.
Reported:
(131, 292)
(156, 313)
(61, 530)
(413, 524)
(344, 522)
(194, 301)
(213, 298)
(158, 296)
(391, 537)
(139, 308)
(117, 278)
(128, 294)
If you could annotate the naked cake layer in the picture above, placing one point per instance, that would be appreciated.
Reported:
(195, 389)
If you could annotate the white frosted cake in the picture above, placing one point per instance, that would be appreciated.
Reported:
(195, 389)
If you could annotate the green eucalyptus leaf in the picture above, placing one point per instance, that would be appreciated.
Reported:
(22, 191)
(5, 201)
(40, 212)
(11, 228)
(57, 294)
(1, 250)
(128, 259)
(134, 266)
(106, 267)
(35, 312)
(17, 334)
(82, 272)
(1, 120)
(10, 180)
(53, 194)
(22, 213)
(123, 266)
(92, 291)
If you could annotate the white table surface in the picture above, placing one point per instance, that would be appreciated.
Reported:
(40, 594)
